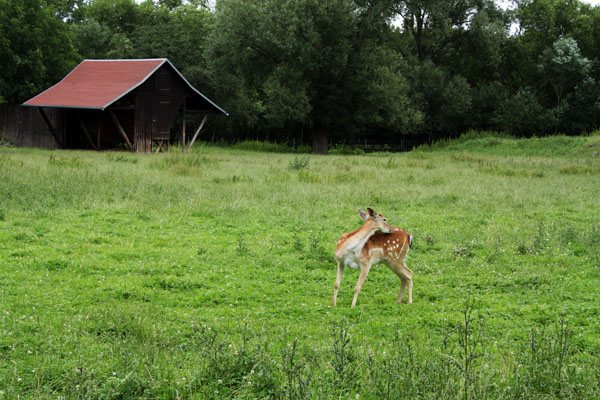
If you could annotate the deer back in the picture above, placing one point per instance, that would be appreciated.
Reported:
(388, 248)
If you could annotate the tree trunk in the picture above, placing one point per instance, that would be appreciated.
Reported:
(319, 140)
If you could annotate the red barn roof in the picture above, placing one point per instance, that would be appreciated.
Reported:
(97, 84)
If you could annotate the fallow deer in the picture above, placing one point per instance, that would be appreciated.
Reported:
(373, 243)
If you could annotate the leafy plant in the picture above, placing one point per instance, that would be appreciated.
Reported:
(299, 163)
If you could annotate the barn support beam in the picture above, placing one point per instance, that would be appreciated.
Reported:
(86, 132)
(183, 129)
(51, 127)
(120, 128)
(197, 132)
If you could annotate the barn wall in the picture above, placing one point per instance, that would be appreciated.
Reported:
(157, 103)
(25, 127)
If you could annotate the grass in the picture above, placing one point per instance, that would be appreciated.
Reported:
(210, 274)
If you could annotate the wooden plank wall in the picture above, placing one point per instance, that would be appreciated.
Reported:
(157, 107)
(25, 127)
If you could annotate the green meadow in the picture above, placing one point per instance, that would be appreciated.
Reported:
(210, 274)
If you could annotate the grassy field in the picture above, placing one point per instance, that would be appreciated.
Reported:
(210, 275)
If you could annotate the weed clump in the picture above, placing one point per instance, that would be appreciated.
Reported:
(577, 169)
(299, 163)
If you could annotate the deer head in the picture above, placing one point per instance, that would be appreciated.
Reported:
(379, 220)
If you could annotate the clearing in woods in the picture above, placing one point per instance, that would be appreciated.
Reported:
(210, 274)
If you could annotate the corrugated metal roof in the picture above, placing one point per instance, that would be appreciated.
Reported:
(97, 84)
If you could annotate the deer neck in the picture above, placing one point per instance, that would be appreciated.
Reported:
(357, 239)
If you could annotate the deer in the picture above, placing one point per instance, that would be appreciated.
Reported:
(375, 242)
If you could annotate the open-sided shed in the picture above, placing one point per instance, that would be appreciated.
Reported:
(105, 103)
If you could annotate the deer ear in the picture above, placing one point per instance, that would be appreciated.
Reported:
(362, 214)
(371, 212)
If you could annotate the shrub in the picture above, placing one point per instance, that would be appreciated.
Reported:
(268, 147)
(299, 163)
(346, 150)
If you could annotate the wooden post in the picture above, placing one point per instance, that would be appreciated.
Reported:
(183, 129)
(114, 117)
(52, 130)
(87, 134)
(197, 132)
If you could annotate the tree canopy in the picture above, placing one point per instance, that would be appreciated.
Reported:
(336, 71)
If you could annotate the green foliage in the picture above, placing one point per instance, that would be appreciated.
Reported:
(35, 50)
(268, 147)
(94, 40)
(445, 99)
(346, 150)
(523, 115)
(323, 73)
(299, 163)
(563, 66)
(299, 70)
(469, 146)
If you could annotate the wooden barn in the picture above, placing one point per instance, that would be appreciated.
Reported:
(105, 104)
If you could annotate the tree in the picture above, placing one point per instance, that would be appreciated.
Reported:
(35, 49)
(177, 33)
(309, 64)
(445, 100)
(522, 114)
(582, 113)
(435, 24)
(563, 67)
(95, 40)
(119, 15)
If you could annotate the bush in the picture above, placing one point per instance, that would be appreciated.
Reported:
(523, 115)
(345, 149)
(299, 163)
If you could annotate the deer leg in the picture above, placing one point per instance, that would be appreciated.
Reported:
(410, 285)
(402, 287)
(409, 278)
(338, 281)
(364, 271)
(405, 276)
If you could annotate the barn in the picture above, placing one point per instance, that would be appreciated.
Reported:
(105, 104)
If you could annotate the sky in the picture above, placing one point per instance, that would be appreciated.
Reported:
(592, 2)
(506, 3)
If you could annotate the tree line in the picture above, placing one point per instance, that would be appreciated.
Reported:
(326, 72)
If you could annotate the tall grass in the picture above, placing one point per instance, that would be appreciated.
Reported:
(498, 143)
(209, 274)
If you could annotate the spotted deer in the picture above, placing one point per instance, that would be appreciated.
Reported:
(373, 243)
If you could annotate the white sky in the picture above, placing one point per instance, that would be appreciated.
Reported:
(592, 2)
(505, 3)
